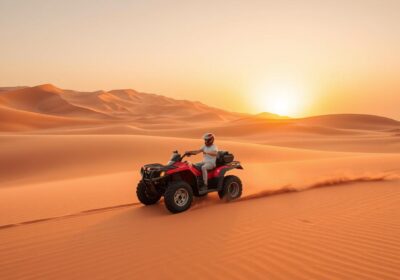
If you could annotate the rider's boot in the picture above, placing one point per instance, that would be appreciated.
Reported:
(202, 187)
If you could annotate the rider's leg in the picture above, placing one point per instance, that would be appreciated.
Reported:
(205, 175)
(206, 166)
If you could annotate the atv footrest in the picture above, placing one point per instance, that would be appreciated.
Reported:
(207, 191)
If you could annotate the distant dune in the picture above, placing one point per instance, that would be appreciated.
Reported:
(47, 109)
(113, 106)
(11, 88)
(47, 100)
(353, 121)
(20, 120)
(129, 107)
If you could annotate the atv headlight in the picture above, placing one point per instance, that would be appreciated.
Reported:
(162, 173)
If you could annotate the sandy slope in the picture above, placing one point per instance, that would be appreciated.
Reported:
(75, 173)
(19, 120)
(321, 195)
(349, 230)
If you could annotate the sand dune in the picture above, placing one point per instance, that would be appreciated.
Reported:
(130, 112)
(11, 88)
(18, 120)
(203, 202)
(345, 121)
(75, 209)
(76, 173)
(142, 109)
(123, 106)
(353, 121)
(321, 194)
(298, 236)
(45, 99)
(27, 157)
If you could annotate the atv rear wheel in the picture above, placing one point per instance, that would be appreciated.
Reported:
(178, 196)
(231, 189)
(146, 195)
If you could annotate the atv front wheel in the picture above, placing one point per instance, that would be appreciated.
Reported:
(231, 189)
(178, 196)
(146, 195)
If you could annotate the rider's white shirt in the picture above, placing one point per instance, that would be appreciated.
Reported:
(208, 158)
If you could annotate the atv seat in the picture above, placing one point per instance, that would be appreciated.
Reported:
(198, 167)
(223, 158)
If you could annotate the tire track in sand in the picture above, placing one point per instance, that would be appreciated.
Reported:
(262, 194)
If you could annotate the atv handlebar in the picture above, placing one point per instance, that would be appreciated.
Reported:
(186, 154)
(176, 156)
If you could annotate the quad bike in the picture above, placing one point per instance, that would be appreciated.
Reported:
(178, 181)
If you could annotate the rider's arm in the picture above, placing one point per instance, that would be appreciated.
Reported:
(213, 154)
(198, 151)
(195, 152)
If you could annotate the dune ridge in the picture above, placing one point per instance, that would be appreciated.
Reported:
(44, 99)
(112, 106)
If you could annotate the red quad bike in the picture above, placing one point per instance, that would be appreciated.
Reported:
(179, 181)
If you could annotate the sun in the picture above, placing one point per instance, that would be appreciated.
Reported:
(281, 99)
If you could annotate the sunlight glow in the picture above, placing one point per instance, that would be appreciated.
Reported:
(284, 99)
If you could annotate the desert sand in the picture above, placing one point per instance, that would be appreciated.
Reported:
(321, 195)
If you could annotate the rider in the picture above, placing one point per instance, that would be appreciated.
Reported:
(210, 152)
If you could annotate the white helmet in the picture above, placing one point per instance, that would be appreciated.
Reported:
(208, 139)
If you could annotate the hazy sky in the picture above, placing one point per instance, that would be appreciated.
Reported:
(296, 57)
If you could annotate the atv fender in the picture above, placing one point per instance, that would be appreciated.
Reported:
(223, 171)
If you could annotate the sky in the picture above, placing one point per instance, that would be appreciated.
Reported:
(296, 58)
